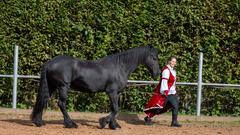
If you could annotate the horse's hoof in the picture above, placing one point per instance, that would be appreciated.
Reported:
(102, 122)
(38, 123)
(71, 125)
(114, 125)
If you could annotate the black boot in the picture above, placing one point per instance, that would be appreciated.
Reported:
(175, 122)
(148, 120)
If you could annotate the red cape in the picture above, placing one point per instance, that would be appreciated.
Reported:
(156, 101)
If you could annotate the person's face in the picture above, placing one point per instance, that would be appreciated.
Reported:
(173, 62)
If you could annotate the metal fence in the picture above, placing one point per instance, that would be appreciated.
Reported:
(199, 84)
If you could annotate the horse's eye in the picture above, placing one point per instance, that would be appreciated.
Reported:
(154, 58)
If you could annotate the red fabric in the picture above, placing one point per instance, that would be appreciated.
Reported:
(157, 100)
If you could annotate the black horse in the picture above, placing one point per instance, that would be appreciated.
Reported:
(108, 74)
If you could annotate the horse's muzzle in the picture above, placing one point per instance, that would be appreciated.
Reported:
(155, 75)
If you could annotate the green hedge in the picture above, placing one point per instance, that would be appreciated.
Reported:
(91, 29)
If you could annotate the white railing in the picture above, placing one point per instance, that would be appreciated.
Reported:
(199, 84)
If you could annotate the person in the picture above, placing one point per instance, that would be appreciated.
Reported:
(164, 96)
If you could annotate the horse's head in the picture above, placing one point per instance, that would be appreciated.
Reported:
(151, 61)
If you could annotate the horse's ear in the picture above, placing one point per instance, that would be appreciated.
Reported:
(150, 46)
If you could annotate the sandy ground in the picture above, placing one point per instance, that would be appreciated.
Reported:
(16, 122)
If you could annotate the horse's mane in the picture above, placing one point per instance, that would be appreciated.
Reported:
(125, 56)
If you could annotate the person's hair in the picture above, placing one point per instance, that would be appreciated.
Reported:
(170, 58)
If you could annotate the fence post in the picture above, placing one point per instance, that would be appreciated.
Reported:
(199, 91)
(15, 77)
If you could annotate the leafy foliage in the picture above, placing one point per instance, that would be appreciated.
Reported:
(90, 29)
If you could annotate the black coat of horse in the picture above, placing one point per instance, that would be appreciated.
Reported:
(108, 74)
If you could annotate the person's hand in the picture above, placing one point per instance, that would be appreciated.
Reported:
(165, 93)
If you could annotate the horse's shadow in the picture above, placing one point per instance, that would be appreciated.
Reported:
(133, 119)
(126, 117)
(57, 122)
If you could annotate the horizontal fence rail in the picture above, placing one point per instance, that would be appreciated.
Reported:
(142, 82)
(199, 84)
(186, 83)
(22, 76)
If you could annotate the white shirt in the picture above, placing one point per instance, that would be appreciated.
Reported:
(164, 82)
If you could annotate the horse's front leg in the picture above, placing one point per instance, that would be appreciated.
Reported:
(68, 122)
(110, 119)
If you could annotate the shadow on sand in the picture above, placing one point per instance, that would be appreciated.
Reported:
(129, 118)
(57, 122)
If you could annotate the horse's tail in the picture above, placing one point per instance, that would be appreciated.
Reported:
(43, 96)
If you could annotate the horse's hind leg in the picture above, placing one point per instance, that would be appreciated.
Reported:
(62, 104)
(41, 103)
